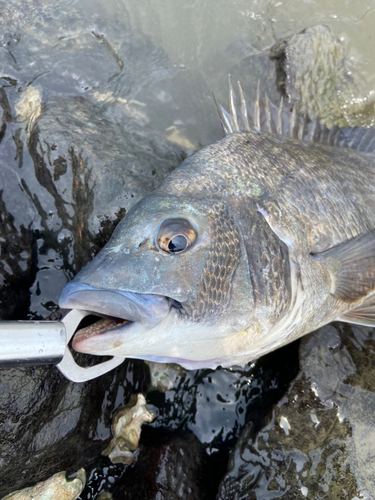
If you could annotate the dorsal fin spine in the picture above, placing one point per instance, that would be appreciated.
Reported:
(223, 118)
(232, 107)
(362, 141)
(279, 127)
(257, 109)
(268, 115)
(263, 116)
(227, 120)
(371, 145)
(301, 129)
(292, 123)
(244, 114)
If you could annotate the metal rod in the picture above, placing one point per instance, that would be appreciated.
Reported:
(31, 343)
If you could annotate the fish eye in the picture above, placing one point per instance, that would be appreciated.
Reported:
(176, 235)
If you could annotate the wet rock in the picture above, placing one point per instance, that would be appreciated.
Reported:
(311, 69)
(216, 404)
(126, 427)
(29, 106)
(57, 487)
(18, 241)
(164, 375)
(104, 495)
(102, 474)
(314, 73)
(319, 442)
(48, 424)
(169, 465)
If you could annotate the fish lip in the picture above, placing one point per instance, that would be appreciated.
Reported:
(81, 343)
(146, 309)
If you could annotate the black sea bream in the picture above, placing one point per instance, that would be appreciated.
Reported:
(253, 241)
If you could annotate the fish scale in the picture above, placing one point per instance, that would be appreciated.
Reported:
(213, 290)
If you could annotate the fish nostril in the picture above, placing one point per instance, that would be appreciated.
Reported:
(142, 243)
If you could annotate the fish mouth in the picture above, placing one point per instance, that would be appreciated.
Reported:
(135, 325)
(101, 326)
(116, 312)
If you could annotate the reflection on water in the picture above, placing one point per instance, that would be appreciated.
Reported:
(100, 101)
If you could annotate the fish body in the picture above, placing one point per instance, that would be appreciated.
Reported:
(252, 242)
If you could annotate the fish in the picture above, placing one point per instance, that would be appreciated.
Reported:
(253, 241)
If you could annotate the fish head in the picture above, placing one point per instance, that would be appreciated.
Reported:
(172, 284)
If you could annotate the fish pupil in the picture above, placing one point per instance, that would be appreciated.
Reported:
(177, 244)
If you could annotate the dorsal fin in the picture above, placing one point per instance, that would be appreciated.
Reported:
(262, 115)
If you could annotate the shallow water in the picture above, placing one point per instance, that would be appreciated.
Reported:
(161, 61)
(157, 64)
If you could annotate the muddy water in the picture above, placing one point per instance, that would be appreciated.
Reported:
(161, 61)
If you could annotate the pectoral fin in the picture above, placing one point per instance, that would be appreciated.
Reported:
(361, 315)
(352, 266)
